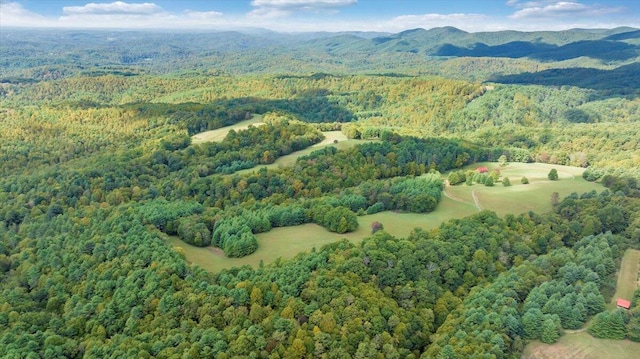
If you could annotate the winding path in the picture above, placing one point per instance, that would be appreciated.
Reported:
(458, 199)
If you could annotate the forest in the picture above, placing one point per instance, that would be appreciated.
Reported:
(98, 166)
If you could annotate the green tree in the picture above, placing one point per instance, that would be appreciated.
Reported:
(489, 181)
(524, 180)
(502, 161)
(609, 325)
(549, 333)
(506, 182)
(553, 174)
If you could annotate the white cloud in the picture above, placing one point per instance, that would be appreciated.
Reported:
(118, 7)
(268, 13)
(13, 14)
(528, 15)
(561, 9)
(302, 4)
(271, 9)
(203, 15)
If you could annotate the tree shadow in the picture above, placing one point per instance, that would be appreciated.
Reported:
(314, 106)
(605, 50)
(621, 81)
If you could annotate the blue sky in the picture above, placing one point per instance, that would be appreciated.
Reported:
(323, 15)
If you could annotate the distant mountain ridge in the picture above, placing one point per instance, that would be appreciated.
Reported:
(34, 54)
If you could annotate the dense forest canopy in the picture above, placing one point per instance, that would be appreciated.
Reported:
(98, 166)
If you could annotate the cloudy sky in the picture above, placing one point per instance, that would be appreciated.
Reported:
(323, 15)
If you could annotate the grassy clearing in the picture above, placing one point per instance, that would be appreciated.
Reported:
(279, 242)
(458, 202)
(582, 346)
(519, 198)
(627, 277)
(220, 133)
(286, 242)
(290, 159)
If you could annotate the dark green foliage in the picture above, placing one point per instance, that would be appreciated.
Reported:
(553, 174)
(94, 160)
(336, 219)
(609, 325)
(524, 180)
(162, 213)
(488, 181)
(506, 182)
(550, 330)
(193, 231)
(456, 177)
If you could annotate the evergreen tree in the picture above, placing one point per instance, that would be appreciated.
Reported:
(549, 333)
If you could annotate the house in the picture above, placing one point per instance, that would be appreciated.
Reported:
(625, 304)
(482, 169)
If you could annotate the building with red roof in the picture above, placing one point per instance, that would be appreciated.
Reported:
(621, 303)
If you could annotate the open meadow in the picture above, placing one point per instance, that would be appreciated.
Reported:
(220, 133)
(627, 277)
(519, 198)
(581, 345)
(457, 202)
(332, 138)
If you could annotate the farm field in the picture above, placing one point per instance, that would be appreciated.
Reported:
(290, 159)
(285, 242)
(519, 198)
(220, 133)
(581, 345)
(457, 202)
(627, 277)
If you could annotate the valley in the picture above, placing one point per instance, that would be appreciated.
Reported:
(430, 193)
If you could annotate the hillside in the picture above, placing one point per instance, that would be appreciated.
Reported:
(35, 54)
(128, 157)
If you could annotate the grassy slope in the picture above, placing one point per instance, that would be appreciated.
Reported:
(627, 277)
(220, 133)
(286, 243)
(519, 198)
(290, 159)
(582, 346)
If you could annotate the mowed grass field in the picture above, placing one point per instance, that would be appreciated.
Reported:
(287, 242)
(627, 277)
(290, 159)
(458, 202)
(519, 198)
(581, 345)
(220, 133)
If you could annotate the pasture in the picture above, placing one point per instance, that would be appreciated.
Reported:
(627, 277)
(519, 198)
(581, 345)
(290, 159)
(220, 133)
(457, 202)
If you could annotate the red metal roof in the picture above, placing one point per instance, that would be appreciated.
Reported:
(623, 303)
